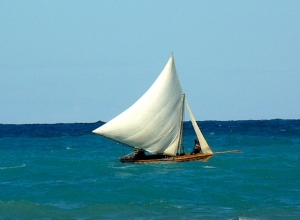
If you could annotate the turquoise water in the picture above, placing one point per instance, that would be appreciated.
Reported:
(63, 171)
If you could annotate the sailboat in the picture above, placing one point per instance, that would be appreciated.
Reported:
(153, 125)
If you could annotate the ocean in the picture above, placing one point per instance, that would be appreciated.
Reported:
(64, 171)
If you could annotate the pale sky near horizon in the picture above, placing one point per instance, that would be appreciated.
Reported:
(84, 61)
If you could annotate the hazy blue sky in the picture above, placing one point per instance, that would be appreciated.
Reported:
(84, 61)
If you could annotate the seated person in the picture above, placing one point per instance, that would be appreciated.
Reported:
(197, 147)
(139, 153)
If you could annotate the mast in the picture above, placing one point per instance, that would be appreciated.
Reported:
(180, 146)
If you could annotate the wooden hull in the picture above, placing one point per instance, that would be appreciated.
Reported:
(163, 158)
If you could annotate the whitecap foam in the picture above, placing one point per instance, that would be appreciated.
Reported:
(4, 168)
(247, 218)
(122, 167)
(209, 167)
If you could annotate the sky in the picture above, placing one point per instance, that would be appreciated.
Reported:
(85, 61)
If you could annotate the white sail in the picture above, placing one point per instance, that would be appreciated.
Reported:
(203, 143)
(153, 122)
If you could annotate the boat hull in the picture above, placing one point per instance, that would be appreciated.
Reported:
(163, 158)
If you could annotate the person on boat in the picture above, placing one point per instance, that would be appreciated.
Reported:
(197, 147)
(139, 153)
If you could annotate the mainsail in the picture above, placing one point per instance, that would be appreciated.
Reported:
(153, 122)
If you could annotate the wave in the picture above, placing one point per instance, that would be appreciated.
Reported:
(209, 167)
(5, 168)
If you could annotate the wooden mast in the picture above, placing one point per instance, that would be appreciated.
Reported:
(180, 146)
